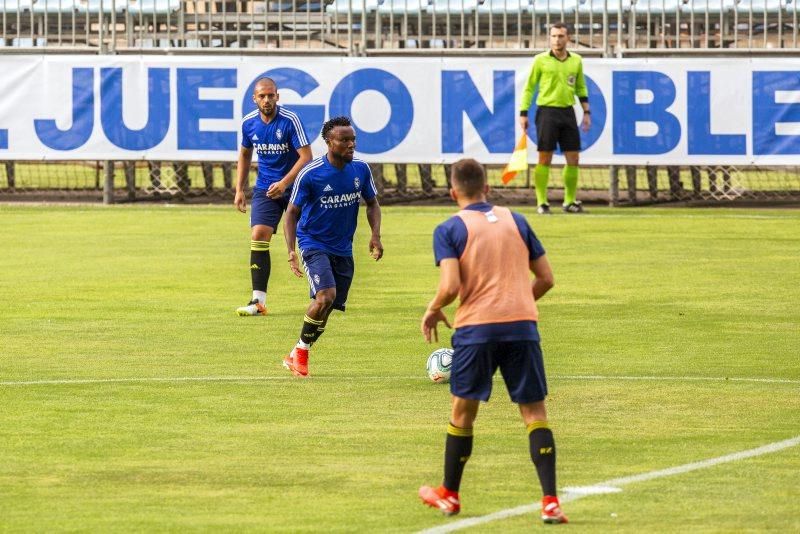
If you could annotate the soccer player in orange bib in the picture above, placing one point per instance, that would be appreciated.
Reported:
(485, 253)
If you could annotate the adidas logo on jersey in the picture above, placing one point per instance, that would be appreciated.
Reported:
(327, 188)
(255, 137)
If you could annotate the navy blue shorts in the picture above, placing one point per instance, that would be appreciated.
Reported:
(520, 363)
(325, 270)
(266, 211)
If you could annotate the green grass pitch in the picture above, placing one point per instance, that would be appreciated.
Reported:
(674, 300)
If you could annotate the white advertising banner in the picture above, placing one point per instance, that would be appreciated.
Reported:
(418, 110)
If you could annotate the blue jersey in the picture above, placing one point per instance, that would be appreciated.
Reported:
(328, 199)
(275, 143)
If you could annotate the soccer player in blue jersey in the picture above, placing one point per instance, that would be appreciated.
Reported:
(277, 136)
(322, 216)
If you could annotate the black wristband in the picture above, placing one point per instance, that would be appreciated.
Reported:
(587, 112)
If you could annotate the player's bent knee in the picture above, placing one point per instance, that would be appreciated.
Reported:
(325, 297)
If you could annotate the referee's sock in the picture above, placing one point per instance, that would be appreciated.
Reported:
(570, 184)
(541, 176)
(260, 266)
(457, 451)
(543, 454)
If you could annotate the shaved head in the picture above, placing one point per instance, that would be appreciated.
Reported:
(264, 83)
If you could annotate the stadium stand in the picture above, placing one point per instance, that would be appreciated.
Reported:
(615, 26)
(600, 28)
(354, 7)
(504, 7)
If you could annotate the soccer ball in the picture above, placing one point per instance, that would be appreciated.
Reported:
(439, 363)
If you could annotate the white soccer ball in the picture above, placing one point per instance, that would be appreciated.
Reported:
(439, 363)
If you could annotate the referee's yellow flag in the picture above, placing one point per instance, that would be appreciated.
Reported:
(518, 161)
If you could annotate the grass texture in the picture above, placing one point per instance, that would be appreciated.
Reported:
(655, 316)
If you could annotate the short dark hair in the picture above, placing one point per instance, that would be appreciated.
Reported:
(333, 123)
(560, 26)
(467, 177)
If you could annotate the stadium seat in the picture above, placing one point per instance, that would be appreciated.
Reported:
(714, 7)
(276, 6)
(341, 7)
(657, 7)
(54, 7)
(297, 6)
(442, 7)
(771, 7)
(153, 7)
(554, 7)
(595, 7)
(28, 42)
(314, 7)
(509, 7)
(403, 7)
(93, 6)
(15, 6)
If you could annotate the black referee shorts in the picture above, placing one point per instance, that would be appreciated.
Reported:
(557, 126)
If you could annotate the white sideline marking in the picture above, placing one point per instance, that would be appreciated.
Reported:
(680, 378)
(591, 490)
(80, 381)
(621, 481)
(689, 215)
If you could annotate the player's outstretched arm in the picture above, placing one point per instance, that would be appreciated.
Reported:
(544, 280)
(449, 286)
(290, 236)
(374, 219)
(242, 172)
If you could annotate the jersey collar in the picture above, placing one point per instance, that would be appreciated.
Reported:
(479, 206)
(561, 60)
(332, 166)
(274, 117)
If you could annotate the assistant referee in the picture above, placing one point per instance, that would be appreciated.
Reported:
(558, 74)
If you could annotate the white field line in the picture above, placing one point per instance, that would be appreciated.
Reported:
(612, 485)
(715, 216)
(287, 378)
(680, 378)
(358, 378)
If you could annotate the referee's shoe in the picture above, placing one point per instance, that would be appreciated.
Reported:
(543, 209)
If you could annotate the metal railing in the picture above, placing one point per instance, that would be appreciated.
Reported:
(397, 183)
(364, 27)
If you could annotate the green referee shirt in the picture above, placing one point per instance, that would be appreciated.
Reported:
(559, 81)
